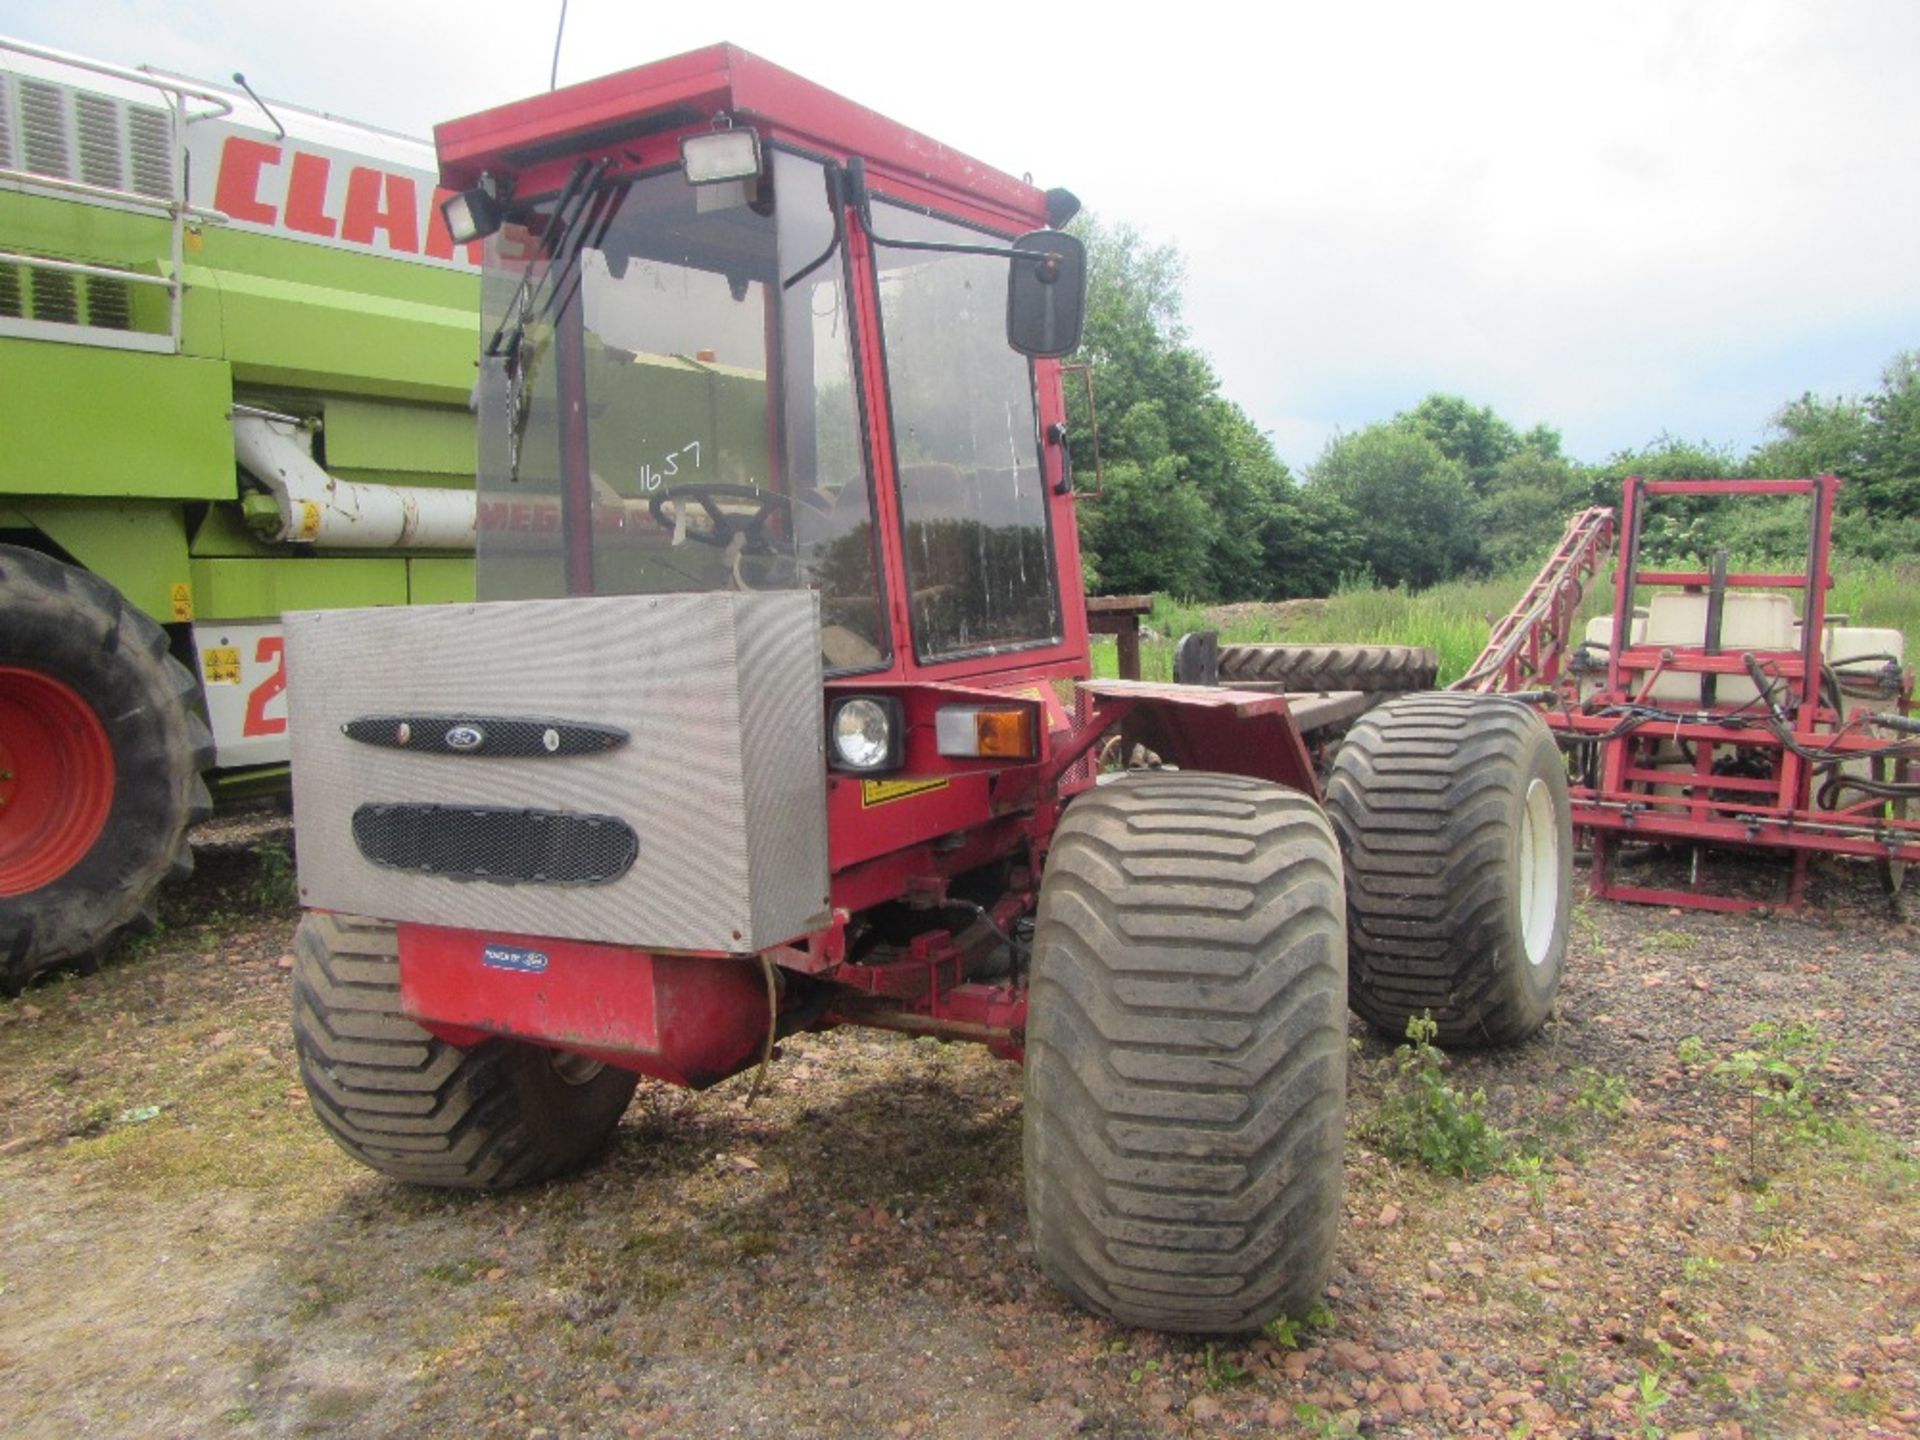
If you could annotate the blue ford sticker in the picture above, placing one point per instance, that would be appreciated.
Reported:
(466, 737)
(512, 957)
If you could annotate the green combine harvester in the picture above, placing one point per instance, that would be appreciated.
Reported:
(236, 354)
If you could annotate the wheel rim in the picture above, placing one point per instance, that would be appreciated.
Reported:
(1539, 873)
(56, 779)
(573, 1069)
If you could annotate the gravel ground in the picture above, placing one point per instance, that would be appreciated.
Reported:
(1658, 1254)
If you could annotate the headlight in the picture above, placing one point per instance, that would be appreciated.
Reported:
(866, 733)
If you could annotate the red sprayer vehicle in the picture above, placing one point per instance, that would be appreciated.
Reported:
(774, 714)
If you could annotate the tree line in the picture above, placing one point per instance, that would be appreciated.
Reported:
(1197, 504)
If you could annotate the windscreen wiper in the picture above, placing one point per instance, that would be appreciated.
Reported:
(561, 227)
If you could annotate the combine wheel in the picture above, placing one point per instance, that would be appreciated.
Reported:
(101, 748)
(1452, 813)
(1186, 1053)
(418, 1109)
(1304, 669)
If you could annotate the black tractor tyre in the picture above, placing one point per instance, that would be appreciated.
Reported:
(408, 1104)
(1307, 669)
(1453, 817)
(94, 702)
(1186, 1052)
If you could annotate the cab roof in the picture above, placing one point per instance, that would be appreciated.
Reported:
(638, 116)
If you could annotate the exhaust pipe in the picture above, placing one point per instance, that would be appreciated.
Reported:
(311, 507)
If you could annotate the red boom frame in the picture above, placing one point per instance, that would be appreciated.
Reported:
(1754, 764)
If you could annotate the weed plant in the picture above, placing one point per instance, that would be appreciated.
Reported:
(275, 886)
(1291, 1332)
(1425, 1118)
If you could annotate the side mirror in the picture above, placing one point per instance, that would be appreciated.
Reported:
(1046, 294)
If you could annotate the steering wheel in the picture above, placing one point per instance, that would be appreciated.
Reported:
(726, 524)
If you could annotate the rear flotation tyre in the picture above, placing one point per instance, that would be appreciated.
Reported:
(1453, 818)
(1185, 1086)
(1309, 669)
(103, 741)
(408, 1104)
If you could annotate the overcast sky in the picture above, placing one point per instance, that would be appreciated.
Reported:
(1616, 218)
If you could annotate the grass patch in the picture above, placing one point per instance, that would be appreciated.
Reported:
(216, 1119)
(1454, 619)
(172, 1073)
(1669, 940)
(1884, 595)
(457, 1272)
(320, 1296)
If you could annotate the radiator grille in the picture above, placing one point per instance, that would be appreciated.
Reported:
(70, 134)
(97, 124)
(43, 129)
(56, 297)
(497, 844)
(150, 151)
(62, 298)
(109, 303)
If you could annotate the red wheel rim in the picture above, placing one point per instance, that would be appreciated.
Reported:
(56, 779)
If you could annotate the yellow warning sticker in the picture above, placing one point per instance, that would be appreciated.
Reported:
(181, 595)
(221, 664)
(880, 792)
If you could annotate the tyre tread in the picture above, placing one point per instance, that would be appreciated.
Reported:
(1419, 797)
(1186, 1053)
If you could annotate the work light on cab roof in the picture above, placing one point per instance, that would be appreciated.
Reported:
(471, 214)
(725, 154)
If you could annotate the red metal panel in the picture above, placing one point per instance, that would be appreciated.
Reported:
(1767, 580)
(475, 143)
(1671, 660)
(893, 873)
(687, 1019)
(866, 818)
(725, 78)
(1234, 732)
(1720, 488)
(1685, 899)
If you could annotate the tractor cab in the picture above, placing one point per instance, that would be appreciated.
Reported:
(739, 334)
(773, 715)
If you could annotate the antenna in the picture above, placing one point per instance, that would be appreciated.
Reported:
(241, 81)
(553, 79)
